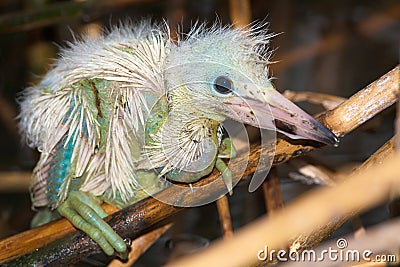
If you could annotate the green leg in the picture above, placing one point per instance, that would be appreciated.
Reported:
(43, 216)
(86, 214)
(226, 150)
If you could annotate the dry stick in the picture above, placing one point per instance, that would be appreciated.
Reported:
(133, 220)
(14, 181)
(140, 245)
(174, 12)
(363, 191)
(311, 174)
(397, 123)
(240, 12)
(327, 101)
(302, 241)
(224, 216)
(394, 205)
(272, 192)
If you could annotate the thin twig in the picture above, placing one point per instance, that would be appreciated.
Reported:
(272, 192)
(311, 174)
(327, 101)
(15, 181)
(397, 123)
(240, 12)
(224, 216)
(140, 245)
(394, 204)
(174, 12)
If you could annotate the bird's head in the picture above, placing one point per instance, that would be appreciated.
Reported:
(222, 73)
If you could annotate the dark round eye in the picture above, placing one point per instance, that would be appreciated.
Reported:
(223, 85)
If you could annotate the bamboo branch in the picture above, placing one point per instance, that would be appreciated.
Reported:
(272, 192)
(15, 181)
(141, 245)
(397, 123)
(240, 12)
(327, 101)
(135, 219)
(224, 216)
(311, 174)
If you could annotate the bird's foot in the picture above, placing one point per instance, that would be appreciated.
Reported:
(85, 213)
(226, 150)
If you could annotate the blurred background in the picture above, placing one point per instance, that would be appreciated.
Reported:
(332, 47)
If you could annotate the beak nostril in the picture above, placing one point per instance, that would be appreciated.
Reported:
(285, 127)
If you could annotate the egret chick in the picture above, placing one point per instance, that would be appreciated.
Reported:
(117, 113)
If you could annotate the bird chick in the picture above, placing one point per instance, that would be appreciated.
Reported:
(117, 113)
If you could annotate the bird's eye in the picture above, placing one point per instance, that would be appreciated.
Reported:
(223, 85)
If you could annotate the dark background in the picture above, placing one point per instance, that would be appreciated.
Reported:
(333, 47)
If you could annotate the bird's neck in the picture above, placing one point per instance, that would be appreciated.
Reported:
(179, 137)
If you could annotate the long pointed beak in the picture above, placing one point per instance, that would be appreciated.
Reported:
(270, 110)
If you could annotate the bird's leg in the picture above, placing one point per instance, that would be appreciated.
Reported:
(226, 150)
(85, 213)
(43, 216)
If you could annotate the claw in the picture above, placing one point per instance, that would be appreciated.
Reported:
(122, 255)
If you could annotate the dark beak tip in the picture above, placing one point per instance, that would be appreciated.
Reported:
(329, 137)
(334, 141)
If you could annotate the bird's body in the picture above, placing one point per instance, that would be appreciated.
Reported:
(117, 113)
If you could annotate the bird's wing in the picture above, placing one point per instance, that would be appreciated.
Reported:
(64, 127)
(133, 58)
(53, 115)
